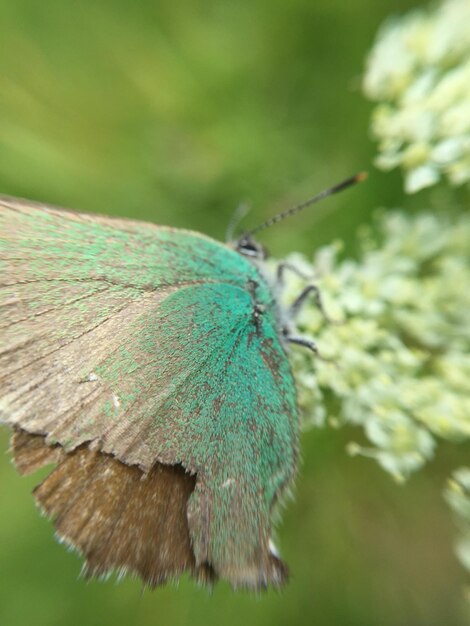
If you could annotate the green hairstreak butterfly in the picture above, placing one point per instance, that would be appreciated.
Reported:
(149, 365)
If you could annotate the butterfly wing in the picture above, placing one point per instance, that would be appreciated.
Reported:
(139, 342)
(116, 517)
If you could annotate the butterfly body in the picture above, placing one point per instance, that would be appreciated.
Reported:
(148, 363)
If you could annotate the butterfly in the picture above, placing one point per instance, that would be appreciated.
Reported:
(150, 366)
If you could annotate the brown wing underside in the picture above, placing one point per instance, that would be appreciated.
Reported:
(116, 516)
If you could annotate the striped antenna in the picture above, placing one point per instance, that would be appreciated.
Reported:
(314, 199)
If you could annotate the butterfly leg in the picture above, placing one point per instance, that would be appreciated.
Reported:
(303, 341)
(309, 289)
(296, 306)
(301, 298)
(310, 345)
(285, 266)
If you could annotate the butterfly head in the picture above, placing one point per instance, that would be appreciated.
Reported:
(247, 246)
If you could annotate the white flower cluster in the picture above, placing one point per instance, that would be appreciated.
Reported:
(395, 359)
(458, 497)
(419, 73)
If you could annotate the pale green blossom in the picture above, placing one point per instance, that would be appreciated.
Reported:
(396, 358)
(419, 74)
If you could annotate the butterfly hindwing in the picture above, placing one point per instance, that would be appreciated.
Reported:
(116, 517)
(140, 342)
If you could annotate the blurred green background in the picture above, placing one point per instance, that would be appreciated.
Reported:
(176, 112)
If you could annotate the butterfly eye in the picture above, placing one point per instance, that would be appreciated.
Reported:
(250, 247)
(285, 331)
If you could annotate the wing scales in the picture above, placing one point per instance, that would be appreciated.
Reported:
(140, 341)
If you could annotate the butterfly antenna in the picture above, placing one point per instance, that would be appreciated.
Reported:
(240, 212)
(300, 207)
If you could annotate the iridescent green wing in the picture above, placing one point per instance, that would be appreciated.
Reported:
(227, 412)
(141, 341)
(72, 286)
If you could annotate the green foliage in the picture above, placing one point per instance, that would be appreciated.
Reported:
(175, 113)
